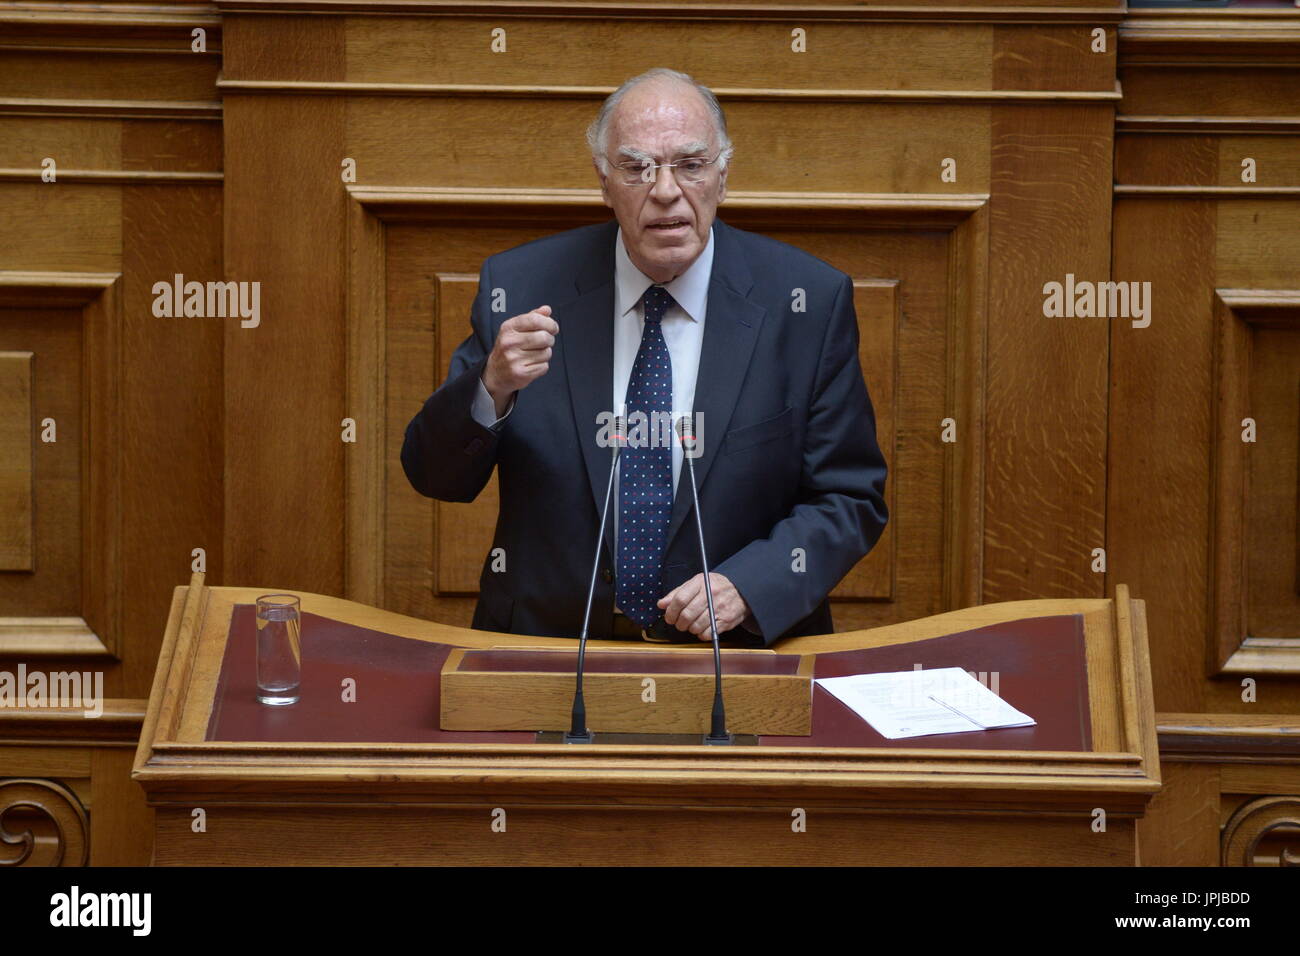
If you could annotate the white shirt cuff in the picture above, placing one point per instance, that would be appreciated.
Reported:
(484, 410)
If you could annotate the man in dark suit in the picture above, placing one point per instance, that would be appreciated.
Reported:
(662, 312)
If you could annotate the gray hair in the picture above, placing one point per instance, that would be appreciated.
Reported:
(596, 132)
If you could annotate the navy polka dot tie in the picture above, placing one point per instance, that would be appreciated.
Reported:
(645, 483)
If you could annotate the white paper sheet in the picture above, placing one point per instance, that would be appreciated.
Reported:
(919, 703)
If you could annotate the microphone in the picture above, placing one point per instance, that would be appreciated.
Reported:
(718, 731)
(578, 732)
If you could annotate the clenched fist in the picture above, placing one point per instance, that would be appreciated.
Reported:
(521, 353)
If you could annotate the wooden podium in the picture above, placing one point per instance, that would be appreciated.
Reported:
(360, 771)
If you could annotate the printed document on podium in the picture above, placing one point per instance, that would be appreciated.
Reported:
(919, 703)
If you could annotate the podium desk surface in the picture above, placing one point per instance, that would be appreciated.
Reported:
(1077, 666)
(1037, 664)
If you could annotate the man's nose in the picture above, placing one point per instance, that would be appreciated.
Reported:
(665, 186)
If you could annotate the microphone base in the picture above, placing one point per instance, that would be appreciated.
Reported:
(572, 738)
(643, 740)
(723, 740)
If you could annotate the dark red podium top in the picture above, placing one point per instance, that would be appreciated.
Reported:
(1039, 663)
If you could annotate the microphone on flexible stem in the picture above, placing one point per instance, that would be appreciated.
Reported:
(718, 731)
(578, 732)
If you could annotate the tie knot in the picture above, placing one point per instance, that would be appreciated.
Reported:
(657, 301)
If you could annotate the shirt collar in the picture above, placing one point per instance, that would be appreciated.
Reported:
(690, 290)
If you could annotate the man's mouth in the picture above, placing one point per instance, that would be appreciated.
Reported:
(668, 225)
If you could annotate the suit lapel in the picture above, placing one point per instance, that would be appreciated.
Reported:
(731, 328)
(586, 346)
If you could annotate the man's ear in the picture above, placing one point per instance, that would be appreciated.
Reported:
(604, 182)
(722, 185)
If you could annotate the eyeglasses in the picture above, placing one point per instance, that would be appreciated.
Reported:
(641, 172)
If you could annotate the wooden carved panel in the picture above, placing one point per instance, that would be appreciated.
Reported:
(1256, 622)
(413, 275)
(16, 454)
(50, 586)
(66, 600)
(42, 823)
(1273, 534)
(1264, 832)
(433, 551)
(876, 302)
(464, 533)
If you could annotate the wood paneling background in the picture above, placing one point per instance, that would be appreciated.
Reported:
(1086, 141)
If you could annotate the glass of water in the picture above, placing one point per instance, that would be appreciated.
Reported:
(279, 649)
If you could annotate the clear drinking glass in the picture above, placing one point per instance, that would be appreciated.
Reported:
(279, 649)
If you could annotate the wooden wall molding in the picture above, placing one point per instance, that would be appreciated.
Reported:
(100, 298)
(100, 22)
(37, 637)
(1209, 39)
(1007, 11)
(965, 217)
(118, 726)
(110, 59)
(1229, 738)
(1123, 190)
(117, 109)
(48, 289)
(1210, 125)
(102, 177)
(570, 206)
(1231, 650)
(597, 93)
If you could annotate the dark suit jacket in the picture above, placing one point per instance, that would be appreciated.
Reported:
(789, 455)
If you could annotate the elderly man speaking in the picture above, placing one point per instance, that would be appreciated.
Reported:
(665, 311)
